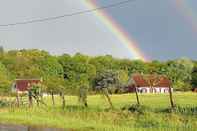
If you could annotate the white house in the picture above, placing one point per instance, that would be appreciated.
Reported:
(161, 84)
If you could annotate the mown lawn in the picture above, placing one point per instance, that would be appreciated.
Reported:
(98, 117)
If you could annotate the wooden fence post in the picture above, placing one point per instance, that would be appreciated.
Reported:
(17, 99)
(171, 98)
(137, 97)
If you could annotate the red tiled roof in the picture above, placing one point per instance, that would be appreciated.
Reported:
(140, 81)
(23, 84)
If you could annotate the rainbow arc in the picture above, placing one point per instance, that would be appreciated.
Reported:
(189, 13)
(117, 30)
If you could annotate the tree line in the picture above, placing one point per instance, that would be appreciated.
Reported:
(69, 74)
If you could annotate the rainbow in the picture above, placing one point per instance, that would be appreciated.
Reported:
(117, 30)
(188, 13)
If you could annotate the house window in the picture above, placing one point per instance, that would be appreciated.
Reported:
(144, 90)
(166, 90)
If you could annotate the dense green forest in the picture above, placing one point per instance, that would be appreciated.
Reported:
(69, 73)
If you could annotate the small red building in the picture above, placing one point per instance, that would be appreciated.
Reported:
(162, 84)
(22, 85)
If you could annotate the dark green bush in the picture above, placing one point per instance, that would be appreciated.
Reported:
(137, 108)
(4, 103)
(186, 110)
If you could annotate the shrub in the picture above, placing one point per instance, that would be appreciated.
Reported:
(188, 110)
(4, 103)
(137, 108)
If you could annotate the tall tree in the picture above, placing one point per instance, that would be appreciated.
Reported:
(104, 81)
(194, 76)
(20, 65)
(180, 73)
(5, 81)
(83, 88)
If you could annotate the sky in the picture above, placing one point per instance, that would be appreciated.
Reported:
(161, 29)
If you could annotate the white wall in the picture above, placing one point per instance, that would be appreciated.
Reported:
(158, 89)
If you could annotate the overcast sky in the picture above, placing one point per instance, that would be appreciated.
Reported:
(157, 25)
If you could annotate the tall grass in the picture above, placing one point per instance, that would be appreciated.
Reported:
(154, 115)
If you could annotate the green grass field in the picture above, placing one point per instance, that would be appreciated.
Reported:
(97, 116)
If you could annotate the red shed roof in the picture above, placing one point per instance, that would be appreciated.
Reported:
(140, 81)
(23, 84)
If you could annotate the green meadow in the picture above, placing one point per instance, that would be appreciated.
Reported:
(153, 116)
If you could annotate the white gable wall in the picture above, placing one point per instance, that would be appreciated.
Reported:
(155, 90)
